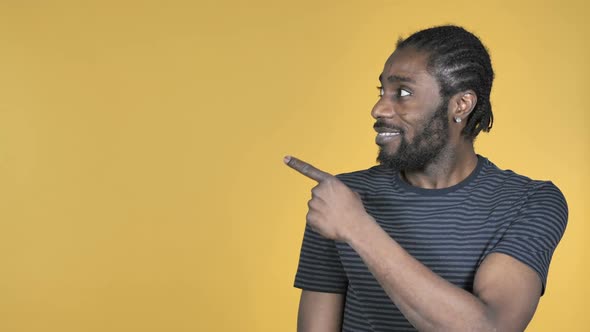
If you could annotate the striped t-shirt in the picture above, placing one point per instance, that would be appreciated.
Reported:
(449, 230)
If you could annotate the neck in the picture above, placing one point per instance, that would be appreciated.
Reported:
(453, 165)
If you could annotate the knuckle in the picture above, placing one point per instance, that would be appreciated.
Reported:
(332, 181)
(314, 204)
(317, 190)
(305, 169)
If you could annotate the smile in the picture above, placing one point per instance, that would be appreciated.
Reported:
(387, 134)
(387, 137)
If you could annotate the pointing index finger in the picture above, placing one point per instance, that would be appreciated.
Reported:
(306, 169)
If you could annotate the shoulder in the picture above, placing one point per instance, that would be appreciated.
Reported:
(367, 179)
(509, 180)
(547, 206)
(505, 177)
(538, 196)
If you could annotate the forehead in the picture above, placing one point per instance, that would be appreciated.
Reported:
(408, 63)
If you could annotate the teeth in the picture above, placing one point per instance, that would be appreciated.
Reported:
(388, 134)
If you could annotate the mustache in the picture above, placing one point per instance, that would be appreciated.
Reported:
(383, 124)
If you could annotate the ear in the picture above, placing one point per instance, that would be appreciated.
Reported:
(462, 104)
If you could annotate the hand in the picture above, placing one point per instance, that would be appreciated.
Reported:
(335, 211)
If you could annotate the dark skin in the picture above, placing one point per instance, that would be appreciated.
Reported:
(505, 292)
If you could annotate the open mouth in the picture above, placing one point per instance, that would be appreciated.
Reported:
(388, 134)
(385, 137)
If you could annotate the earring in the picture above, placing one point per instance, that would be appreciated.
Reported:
(458, 119)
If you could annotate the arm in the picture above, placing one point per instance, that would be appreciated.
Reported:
(321, 312)
(506, 291)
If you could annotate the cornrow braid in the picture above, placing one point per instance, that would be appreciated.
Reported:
(459, 62)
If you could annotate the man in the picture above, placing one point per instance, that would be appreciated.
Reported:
(436, 237)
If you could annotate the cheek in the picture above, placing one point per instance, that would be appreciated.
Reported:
(415, 128)
(412, 126)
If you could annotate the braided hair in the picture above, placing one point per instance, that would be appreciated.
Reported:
(459, 62)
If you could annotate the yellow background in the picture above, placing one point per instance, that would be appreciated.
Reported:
(141, 181)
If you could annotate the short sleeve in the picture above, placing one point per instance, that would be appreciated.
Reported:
(320, 268)
(533, 236)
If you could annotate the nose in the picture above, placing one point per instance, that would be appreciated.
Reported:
(383, 109)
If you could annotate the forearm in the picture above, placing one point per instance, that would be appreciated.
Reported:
(428, 301)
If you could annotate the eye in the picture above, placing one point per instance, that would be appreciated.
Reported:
(404, 93)
(381, 91)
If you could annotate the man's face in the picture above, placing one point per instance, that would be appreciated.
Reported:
(412, 119)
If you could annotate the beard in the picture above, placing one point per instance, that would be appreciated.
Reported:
(423, 150)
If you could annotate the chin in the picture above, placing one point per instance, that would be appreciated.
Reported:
(387, 158)
(389, 151)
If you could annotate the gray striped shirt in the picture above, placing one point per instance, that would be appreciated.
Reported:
(449, 230)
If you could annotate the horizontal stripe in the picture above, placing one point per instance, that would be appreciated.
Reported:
(450, 231)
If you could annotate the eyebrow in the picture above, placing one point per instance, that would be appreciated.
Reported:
(397, 78)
